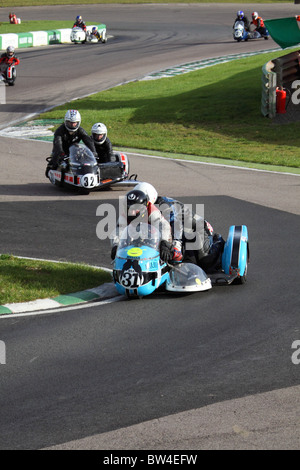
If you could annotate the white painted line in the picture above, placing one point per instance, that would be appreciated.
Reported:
(212, 164)
(63, 309)
(31, 306)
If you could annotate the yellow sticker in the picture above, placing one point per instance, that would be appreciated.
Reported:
(135, 252)
(198, 281)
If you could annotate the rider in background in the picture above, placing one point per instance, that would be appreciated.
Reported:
(240, 16)
(13, 18)
(258, 22)
(79, 23)
(8, 58)
(102, 143)
(69, 133)
(96, 33)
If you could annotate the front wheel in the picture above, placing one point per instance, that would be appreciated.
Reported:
(83, 192)
(132, 296)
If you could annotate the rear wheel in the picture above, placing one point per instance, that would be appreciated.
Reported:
(242, 279)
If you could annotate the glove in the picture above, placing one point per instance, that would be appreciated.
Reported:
(113, 252)
(165, 251)
(64, 165)
(177, 253)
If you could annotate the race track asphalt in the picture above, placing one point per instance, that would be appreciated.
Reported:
(200, 372)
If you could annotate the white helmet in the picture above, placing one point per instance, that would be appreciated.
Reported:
(72, 120)
(149, 190)
(10, 51)
(254, 15)
(99, 133)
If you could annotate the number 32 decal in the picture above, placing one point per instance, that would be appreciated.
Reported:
(88, 181)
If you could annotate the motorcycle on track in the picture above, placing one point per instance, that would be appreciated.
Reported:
(257, 35)
(138, 270)
(9, 75)
(78, 35)
(239, 32)
(96, 38)
(81, 171)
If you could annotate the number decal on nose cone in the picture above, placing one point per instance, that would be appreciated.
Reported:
(131, 279)
(88, 181)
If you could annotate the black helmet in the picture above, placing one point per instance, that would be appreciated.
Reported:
(137, 202)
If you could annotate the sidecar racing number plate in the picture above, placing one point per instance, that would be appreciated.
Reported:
(131, 279)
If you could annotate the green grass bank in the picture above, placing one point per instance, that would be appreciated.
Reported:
(22, 280)
(213, 113)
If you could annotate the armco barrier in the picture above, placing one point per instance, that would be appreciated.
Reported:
(287, 69)
(280, 72)
(40, 38)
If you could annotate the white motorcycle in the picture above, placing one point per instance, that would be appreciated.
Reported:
(239, 32)
(9, 75)
(101, 37)
(78, 36)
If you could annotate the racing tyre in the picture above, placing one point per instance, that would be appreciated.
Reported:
(242, 279)
(235, 255)
(133, 296)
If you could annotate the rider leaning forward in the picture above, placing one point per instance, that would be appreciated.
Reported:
(69, 133)
(8, 58)
(79, 23)
(174, 220)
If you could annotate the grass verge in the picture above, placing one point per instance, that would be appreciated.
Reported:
(27, 26)
(213, 113)
(22, 280)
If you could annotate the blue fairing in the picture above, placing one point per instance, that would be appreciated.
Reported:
(235, 254)
(138, 270)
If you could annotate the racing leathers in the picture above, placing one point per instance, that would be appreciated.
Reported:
(96, 34)
(6, 61)
(63, 139)
(156, 219)
(80, 24)
(104, 151)
(198, 242)
(13, 18)
(245, 21)
(259, 26)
